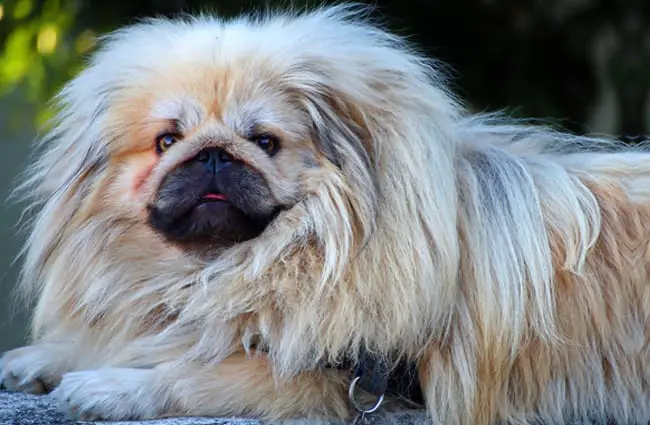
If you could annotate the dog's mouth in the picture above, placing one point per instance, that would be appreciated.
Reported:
(212, 197)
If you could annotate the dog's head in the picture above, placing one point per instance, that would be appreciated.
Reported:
(207, 130)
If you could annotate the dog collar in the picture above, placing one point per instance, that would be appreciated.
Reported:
(380, 377)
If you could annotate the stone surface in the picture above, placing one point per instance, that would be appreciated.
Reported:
(25, 409)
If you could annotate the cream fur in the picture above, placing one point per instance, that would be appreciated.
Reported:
(510, 261)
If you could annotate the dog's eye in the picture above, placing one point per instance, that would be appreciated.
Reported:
(164, 142)
(270, 144)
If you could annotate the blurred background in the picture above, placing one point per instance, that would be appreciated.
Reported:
(583, 64)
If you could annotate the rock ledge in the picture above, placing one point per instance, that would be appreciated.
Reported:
(26, 409)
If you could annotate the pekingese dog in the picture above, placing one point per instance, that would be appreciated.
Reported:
(289, 215)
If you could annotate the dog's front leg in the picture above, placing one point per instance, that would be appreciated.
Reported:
(37, 368)
(238, 386)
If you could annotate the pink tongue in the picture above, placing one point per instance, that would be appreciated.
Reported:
(215, 196)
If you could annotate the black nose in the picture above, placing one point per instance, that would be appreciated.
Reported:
(214, 157)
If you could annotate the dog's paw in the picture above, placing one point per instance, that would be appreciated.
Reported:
(108, 394)
(28, 369)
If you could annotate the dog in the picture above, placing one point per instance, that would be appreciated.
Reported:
(271, 216)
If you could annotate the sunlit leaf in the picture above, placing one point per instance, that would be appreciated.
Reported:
(17, 55)
(47, 39)
(22, 8)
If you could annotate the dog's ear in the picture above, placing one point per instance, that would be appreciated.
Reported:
(340, 131)
(343, 136)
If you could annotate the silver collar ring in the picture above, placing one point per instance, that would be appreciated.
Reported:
(357, 406)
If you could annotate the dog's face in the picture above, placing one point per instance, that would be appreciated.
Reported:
(221, 164)
(209, 153)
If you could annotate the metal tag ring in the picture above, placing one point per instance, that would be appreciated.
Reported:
(351, 396)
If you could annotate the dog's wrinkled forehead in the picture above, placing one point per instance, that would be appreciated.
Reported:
(184, 111)
(243, 115)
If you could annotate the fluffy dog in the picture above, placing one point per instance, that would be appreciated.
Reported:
(227, 212)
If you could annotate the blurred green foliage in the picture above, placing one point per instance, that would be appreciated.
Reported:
(40, 49)
(506, 53)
